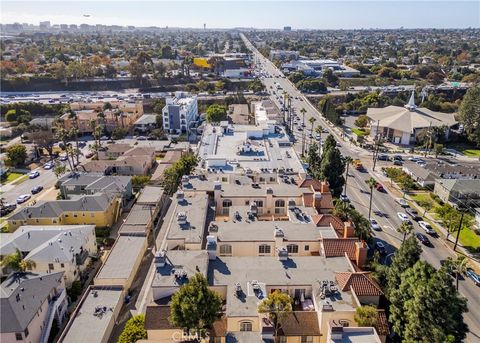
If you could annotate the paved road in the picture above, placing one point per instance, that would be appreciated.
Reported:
(46, 179)
(358, 191)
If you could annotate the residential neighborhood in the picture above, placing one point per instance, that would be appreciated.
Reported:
(166, 179)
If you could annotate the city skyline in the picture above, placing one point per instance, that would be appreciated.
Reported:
(299, 15)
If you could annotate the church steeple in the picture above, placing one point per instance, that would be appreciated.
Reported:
(411, 102)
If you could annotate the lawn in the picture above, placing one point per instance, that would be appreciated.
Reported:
(360, 132)
(12, 177)
(469, 240)
(467, 150)
(424, 200)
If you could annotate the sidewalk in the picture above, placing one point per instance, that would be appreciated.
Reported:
(395, 190)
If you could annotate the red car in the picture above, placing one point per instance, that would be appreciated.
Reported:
(379, 187)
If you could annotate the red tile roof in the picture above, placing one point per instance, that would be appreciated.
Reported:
(382, 323)
(335, 247)
(360, 282)
(327, 219)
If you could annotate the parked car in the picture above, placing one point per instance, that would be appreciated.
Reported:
(7, 208)
(397, 163)
(374, 224)
(397, 158)
(423, 239)
(413, 213)
(48, 165)
(37, 189)
(22, 198)
(428, 229)
(379, 187)
(141, 138)
(383, 157)
(33, 174)
(380, 247)
(403, 217)
(63, 158)
(89, 154)
(413, 159)
(474, 276)
(344, 198)
(402, 202)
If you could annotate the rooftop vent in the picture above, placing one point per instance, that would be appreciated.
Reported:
(180, 197)
(282, 254)
(278, 232)
(181, 218)
(160, 259)
(212, 227)
(269, 190)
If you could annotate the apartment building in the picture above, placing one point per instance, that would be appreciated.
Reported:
(179, 112)
(66, 248)
(101, 210)
(29, 304)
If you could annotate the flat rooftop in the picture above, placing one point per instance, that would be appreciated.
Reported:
(122, 257)
(84, 326)
(248, 147)
(150, 195)
(357, 335)
(138, 220)
(270, 273)
(194, 206)
(190, 261)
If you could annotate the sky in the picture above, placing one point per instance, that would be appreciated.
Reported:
(339, 14)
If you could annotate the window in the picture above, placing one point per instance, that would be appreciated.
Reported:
(247, 202)
(292, 249)
(245, 326)
(54, 221)
(37, 220)
(280, 203)
(264, 249)
(259, 203)
(262, 179)
(62, 265)
(307, 247)
(224, 179)
(225, 249)
(272, 179)
(18, 336)
(226, 205)
(307, 339)
(50, 266)
(75, 215)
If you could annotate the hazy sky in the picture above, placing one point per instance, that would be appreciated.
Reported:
(260, 14)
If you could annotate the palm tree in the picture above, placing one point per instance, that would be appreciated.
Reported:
(96, 132)
(457, 266)
(342, 210)
(16, 262)
(101, 116)
(371, 182)
(348, 160)
(405, 228)
(74, 131)
(312, 121)
(62, 135)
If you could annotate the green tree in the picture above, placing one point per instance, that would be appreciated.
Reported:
(426, 307)
(366, 315)
(329, 142)
(277, 305)
(330, 77)
(256, 86)
(59, 170)
(140, 181)
(331, 170)
(348, 161)
(406, 183)
(215, 113)
(405, 228)
(312, 121)
(469, 114)
(404, 258)
(134, 330)
(313, 160)
(450, 218)
(16, 155)
(194, 306)
(361, 121)
(15, 262)
(173, 175)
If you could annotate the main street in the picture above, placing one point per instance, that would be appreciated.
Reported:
(383, 204)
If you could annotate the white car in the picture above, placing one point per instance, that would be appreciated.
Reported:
(22, 198)
(48, 165)
(403, 217)
(427, 227)
(344, 198)
(374, 224)
(33, 174)
(402, 202)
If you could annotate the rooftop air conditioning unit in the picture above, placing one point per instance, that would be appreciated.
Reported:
(282, 254)
(160, 259)
(182, 218)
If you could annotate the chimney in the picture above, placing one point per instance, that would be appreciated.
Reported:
(212, 247)
(348, 229)
(317, 201)
(324, 187)
(361, 254)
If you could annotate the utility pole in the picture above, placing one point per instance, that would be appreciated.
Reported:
(429, 139)
(462, 210)
(377, 146)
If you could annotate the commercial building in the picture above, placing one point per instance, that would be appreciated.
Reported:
(29, 304)
(101, 210)
(284, 55)
(262, 149)
(54, 249)
(404, 125)
(319, 66)
(179, 112)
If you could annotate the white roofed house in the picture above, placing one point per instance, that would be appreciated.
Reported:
(404, 125)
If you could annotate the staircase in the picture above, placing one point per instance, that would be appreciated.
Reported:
(52, 311)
